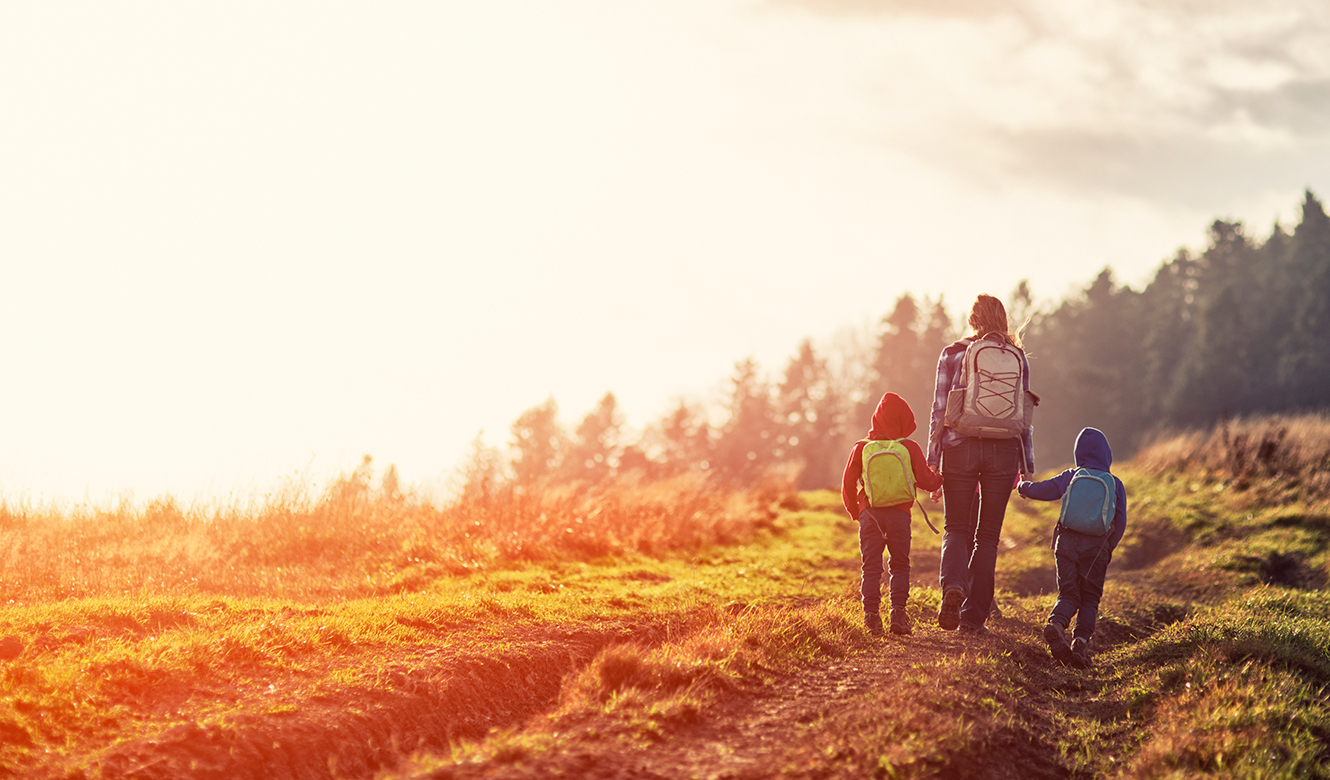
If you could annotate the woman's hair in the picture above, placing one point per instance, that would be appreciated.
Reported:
(988, 315)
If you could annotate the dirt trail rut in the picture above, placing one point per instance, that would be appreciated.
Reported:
(762, 731)
(743, 737)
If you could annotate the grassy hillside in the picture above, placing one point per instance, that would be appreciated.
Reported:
(663, 630)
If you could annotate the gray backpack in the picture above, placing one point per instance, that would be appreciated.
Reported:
(991, 401)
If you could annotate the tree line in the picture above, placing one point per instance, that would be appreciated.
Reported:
(1234, 330)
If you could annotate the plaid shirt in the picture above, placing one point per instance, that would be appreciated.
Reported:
(948, 374)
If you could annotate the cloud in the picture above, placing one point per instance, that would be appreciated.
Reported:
(860, 8)
(1179, 168)
(1182, 101)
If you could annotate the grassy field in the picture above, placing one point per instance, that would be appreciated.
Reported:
(663, 630)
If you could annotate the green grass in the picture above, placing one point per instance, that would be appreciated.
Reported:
(1238, 689)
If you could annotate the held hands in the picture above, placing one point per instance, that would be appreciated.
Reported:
(936, 495)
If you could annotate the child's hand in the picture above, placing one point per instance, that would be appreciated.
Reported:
(936, 495)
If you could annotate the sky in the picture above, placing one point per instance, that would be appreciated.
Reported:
(245, 244)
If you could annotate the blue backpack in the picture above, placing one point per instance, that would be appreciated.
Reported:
(1089, 503)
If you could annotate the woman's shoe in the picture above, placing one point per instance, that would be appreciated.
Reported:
(949, 614)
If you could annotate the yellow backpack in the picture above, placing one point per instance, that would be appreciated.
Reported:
(887, 478)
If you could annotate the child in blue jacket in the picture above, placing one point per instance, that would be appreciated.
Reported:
(1082, 559)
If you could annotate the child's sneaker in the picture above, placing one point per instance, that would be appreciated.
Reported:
(949, 615)
(1056, 637)
(1080, 653)
(874, 623)
(900, 622)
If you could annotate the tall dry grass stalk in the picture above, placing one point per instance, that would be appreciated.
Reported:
(358, 539)
(1289, 447)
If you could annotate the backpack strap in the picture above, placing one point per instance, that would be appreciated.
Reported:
(961, 377)
(926, 520)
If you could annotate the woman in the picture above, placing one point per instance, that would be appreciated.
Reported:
(990, 460)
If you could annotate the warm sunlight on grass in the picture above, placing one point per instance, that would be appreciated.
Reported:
(358, 538)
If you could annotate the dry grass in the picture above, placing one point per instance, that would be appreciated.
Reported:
(357, 539)
(1294, 448)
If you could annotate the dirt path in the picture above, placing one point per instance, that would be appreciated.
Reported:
(781, 727)
(744, 737)
(741, 738)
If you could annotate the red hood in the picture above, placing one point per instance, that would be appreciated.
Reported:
(893, 418)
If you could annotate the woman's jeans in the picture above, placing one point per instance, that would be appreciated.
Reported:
(969, 545)
(1082, 568)
(889, 528)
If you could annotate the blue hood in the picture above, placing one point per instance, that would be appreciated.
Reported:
(1092, 450)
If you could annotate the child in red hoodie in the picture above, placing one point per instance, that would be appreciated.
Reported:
(886, 526)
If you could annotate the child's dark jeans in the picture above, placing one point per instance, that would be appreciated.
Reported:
(884, 528)
(1082, 562)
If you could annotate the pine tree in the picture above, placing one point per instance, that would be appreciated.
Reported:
(595, 449)
(1278, 290)
(747, 443)
(808, 432)
(482, 474)
(1214, 375)
(1305, 361)
(539, 443)
(1168, 322)
(1085, 363)
(901, 365)
(682, 440)
(911, 339)
(1020, 306)
(939, 331)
